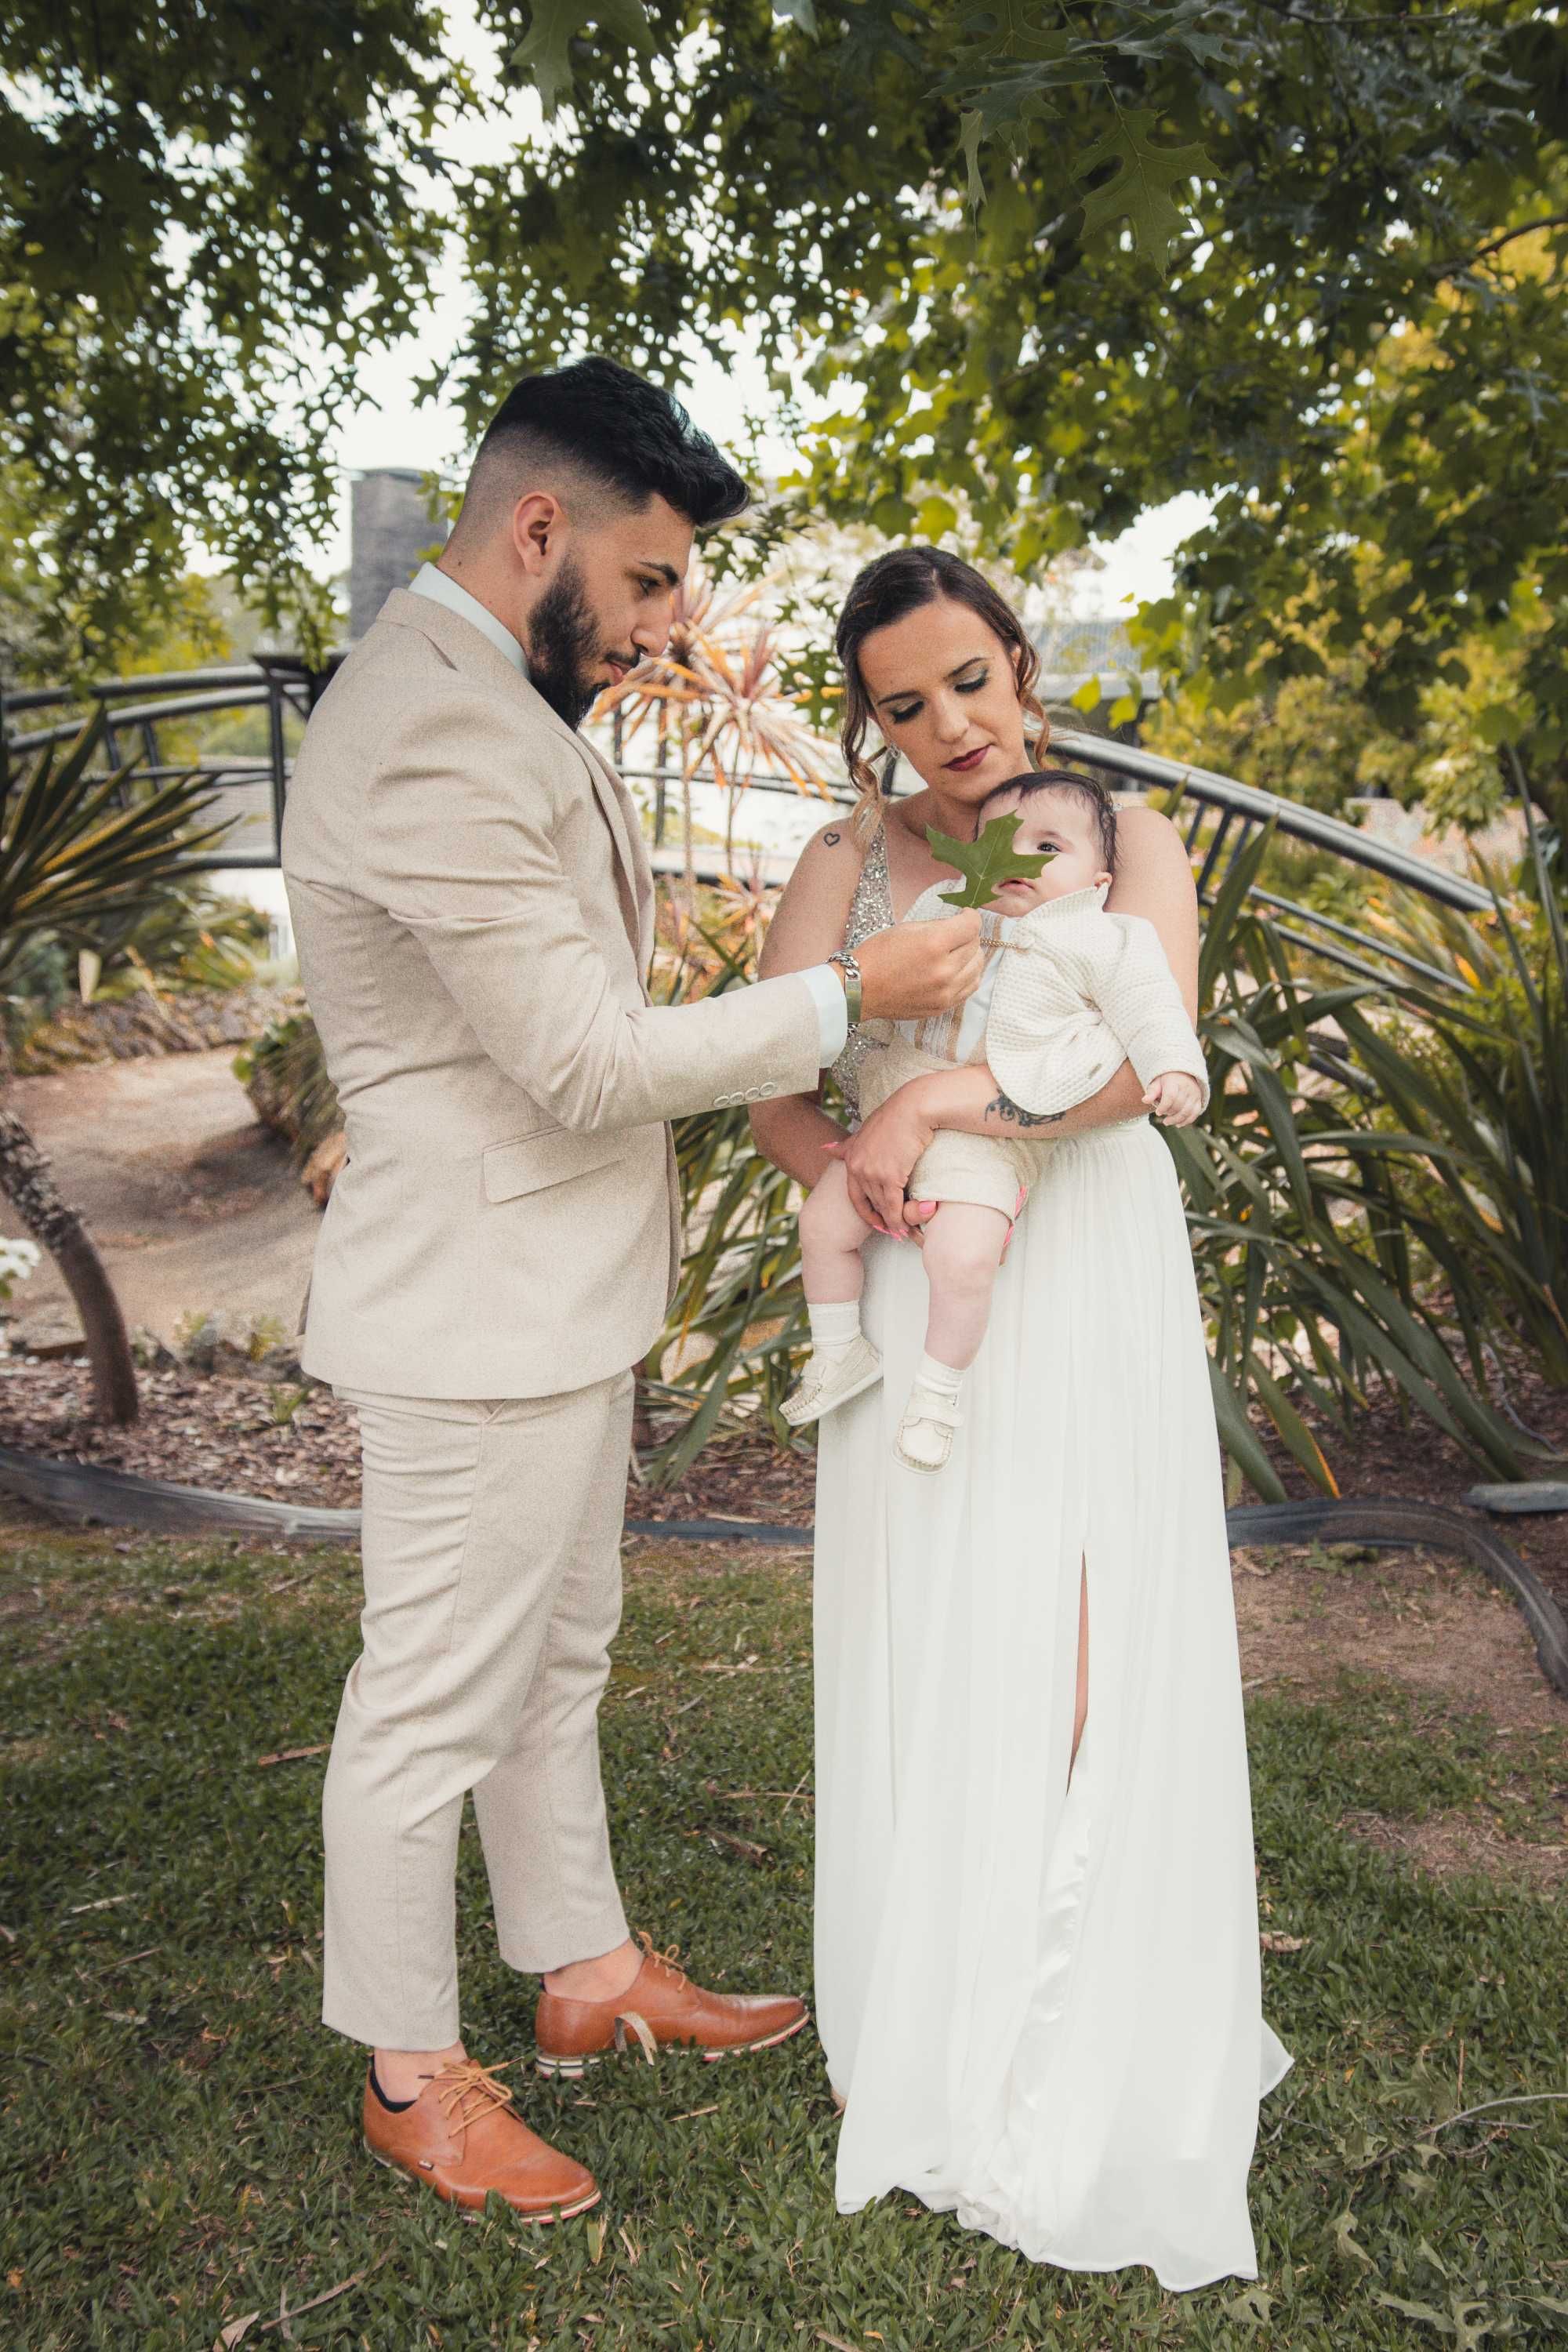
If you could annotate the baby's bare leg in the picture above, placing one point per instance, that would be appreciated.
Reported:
(961, 1249)
(831, 1234)
(842, 1362)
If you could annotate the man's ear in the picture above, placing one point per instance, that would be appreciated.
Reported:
(538, 522)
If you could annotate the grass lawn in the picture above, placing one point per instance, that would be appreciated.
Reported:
(180, 2138)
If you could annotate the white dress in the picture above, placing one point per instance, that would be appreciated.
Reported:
(1043, 1999)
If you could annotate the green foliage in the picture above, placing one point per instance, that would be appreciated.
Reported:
(185, 936)
(164, 1900)
(545, 58)
(81, 849)
(285, 1075)
(1361, 347)
(1313, 1260)
(1358, 348)
(207, 222)
(1323, 735)
(1482, 1071)
(986, 862)
(1140, 190)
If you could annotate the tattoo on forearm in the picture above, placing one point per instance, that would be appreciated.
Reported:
(1005, 1107)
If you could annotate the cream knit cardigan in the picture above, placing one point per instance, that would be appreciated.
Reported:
(1076, 992)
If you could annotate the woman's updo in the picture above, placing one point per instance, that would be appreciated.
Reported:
(898, 584)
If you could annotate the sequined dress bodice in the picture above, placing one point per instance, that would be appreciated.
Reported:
(870, 909)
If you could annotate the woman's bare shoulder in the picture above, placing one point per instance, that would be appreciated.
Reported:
(1152, 860)
(809, 920)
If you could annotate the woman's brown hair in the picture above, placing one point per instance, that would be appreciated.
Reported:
(898, 584)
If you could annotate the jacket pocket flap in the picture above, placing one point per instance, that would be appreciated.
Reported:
(534, 1161)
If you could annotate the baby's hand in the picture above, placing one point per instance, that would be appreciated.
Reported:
(1175, 1096)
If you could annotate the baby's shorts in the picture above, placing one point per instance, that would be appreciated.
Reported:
(987, 1171)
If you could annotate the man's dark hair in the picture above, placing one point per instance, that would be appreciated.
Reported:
(611, 426)
(1088, 790)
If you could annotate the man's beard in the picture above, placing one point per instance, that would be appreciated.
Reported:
(562, 646)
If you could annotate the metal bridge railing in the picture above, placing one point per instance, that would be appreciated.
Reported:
(1218, 814)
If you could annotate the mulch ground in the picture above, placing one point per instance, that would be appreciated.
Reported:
(287, 1443)
(1407, 1456)
(129, 1028)
(293, 1443)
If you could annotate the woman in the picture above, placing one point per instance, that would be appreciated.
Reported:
(1037, 1973)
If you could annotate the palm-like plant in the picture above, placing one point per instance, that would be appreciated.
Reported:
(1480, 1068)
(717, 688)
(1307, 1278)
(79, 848)
(1309, 1281)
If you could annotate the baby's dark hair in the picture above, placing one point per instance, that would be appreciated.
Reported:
(1087, 790)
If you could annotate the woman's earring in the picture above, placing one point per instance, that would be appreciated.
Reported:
(889, 770)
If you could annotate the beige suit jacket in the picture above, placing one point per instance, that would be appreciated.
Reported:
(473, 908)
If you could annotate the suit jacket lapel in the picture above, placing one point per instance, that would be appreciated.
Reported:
(636, 871)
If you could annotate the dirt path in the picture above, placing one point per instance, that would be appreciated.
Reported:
(193, 1204)
(1432, 1626)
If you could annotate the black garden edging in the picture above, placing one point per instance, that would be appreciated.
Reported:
(80, 1490)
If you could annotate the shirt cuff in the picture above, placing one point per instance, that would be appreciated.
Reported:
(832, 1010)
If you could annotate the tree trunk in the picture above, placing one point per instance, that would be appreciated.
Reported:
(28, 1183)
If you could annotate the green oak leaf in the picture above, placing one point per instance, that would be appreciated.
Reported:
(986, 862)
(545, 58)
(1139, 190)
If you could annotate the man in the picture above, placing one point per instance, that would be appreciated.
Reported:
(473, 908)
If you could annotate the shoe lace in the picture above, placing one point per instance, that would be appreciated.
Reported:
(467, 2090)
(664, 1959)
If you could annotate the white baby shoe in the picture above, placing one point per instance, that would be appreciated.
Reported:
(925, 1433)
(831, 1378)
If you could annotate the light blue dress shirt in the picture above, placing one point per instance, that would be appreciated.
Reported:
(826, 988)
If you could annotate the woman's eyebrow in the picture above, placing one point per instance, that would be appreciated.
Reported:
(911, 693)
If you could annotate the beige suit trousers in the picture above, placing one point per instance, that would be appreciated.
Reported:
(492, 1590)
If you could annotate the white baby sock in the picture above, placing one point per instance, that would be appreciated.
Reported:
(941, 1377)
(835, 1325)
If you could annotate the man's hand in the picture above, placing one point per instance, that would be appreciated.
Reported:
(1173, 1096)
(879, 1156)
(920, 968)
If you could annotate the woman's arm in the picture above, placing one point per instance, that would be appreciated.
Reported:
(793, 1130)
(1155, 880)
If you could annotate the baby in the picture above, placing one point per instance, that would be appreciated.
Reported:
(1069, 992)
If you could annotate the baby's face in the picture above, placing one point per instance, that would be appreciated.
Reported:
(1058, 821)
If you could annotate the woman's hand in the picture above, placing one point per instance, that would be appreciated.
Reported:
(879, 1156)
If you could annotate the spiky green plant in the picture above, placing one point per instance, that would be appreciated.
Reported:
(1480, 1068)
(1309, 1284)
(79, 848)
(284, 1072)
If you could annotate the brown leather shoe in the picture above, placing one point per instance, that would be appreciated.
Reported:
(661, 2005)
(463, 2138)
